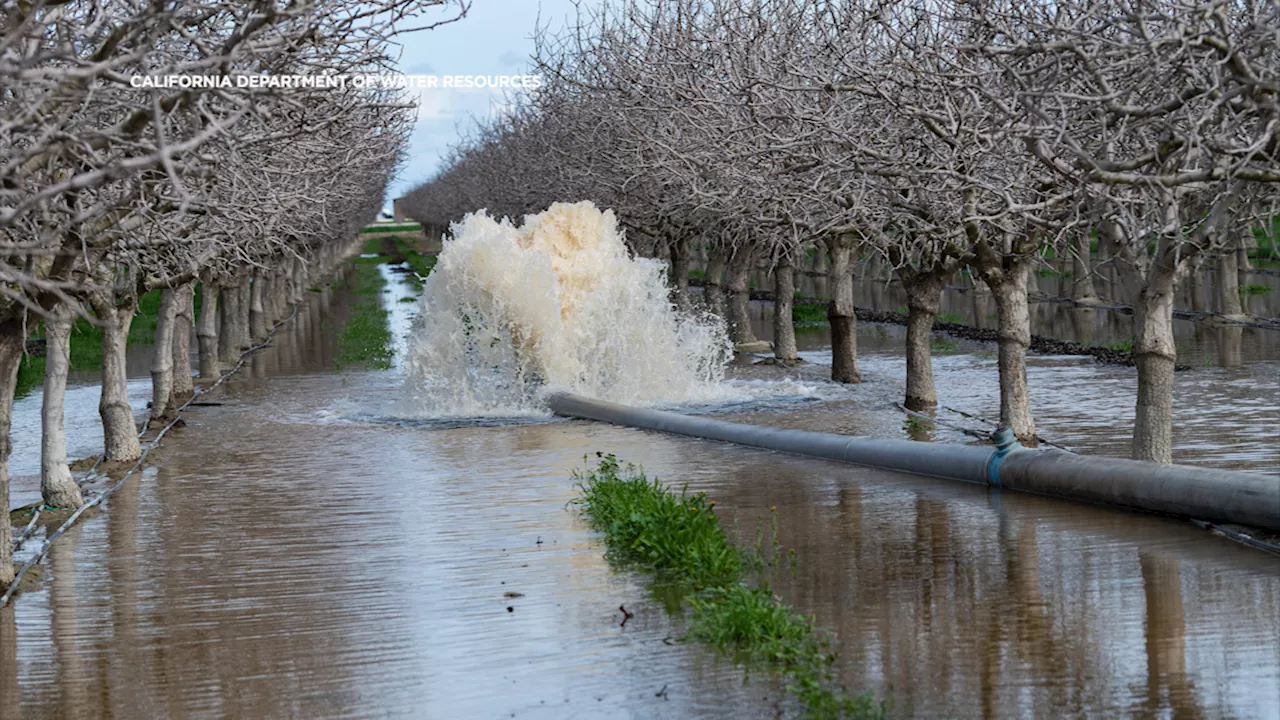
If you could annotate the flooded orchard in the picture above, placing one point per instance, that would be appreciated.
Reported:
(313, 544)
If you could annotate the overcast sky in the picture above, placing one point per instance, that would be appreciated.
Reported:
(495, 38)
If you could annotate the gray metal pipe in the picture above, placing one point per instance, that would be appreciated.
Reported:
(1202, 493)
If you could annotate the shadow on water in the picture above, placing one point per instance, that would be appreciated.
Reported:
(306, 549)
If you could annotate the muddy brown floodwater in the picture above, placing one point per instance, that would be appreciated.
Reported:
(311, 549)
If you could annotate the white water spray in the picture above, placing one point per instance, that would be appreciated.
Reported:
(556, 304)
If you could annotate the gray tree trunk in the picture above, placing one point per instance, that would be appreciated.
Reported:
(1229, 284)
(784, 297)
(740, 296)
(207, 331)
(227, 352)
(924, 299)
(57, 487)
(119, 433)
(1082, 289)
(820, 257)
(257, 312)
(1007, 277)
(12, 343)
(679, 279)
(162, 359)
(714, 288)
(841, 314)
(183, 321)
(244, 308)
(1155, 354)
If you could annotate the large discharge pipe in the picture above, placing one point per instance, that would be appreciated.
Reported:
(1200, 493)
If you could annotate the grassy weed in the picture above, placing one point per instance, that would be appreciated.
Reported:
(676, 537)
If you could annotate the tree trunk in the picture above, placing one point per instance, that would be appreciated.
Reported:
(1229, 284)
(12, 343)
(207, 332)
(784, 297)
(244, 308)
(257, 314)
(1155, 353)
(1082, 289)
(679, 279)
(713, 287)
(924, 299)
(740, 296)
(820, 258)
(1007, 277)
(119, 433)
(57, 487)
(162, 358)
(226, 325)
(183, 320)
(840, 311)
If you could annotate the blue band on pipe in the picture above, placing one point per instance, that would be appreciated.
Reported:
(1005, 444)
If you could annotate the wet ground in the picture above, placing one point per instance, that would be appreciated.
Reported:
(311, 549)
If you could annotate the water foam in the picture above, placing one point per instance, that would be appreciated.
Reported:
(559, 303)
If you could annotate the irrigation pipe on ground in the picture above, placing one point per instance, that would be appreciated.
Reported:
(1219, 496)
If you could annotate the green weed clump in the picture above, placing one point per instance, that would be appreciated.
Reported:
(1255, 289)
(950, 317)
(677, 537)
(366, 337)
(420, 264)
(809, 315)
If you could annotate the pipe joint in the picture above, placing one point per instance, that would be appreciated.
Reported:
(1005, 443)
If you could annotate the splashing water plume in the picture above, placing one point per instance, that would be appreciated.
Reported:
(556, 304)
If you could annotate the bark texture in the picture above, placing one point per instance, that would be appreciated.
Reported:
(207, 331)
(57, 487)
(1082, 289)
(1229, 284)
(244, 308)
(257, 312)
(229, 298)
(119, 433)
(183, 322)
(784, 329)
(1007, 274)
(162, 358)
(740, 296)
(840, 311)
(924, 298)
(1155, 354)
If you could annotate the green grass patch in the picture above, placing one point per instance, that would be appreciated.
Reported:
(30, 375)
(676, 537)
(697, 274)
(1255, 289)
(365, 339)
(950, 317)
(420, 264)
(804, 315)
(943, 345)
(1045, 272)
(1124, 345)
(86, 343)
(406, 227)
